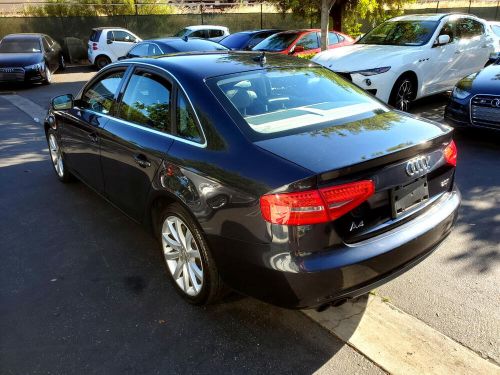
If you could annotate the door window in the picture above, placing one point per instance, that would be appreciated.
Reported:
(215, 33)
(147, 101)
(186, 122)
(332, 38)
(199, 34)
(154, 50)
(309, 41)
(468, 28)
(139, 50)
(99, 97)
(122, 36)
(448, 29)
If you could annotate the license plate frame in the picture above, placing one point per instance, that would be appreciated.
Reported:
(409, 196)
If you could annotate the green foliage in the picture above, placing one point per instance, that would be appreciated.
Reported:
(65, 8)
(307, 56)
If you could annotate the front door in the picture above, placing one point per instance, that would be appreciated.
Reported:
(136, 140)
(82, 127)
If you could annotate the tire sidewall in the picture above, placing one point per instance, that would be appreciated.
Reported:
(103, 59)
(66, 174)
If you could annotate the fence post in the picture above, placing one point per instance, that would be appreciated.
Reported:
(261, 15)
(496, 11)
(201, 13)
(470, 2)
(437, 6)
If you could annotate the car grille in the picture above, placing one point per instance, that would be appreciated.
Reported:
(11, 74)
(485, 110)
(345, 75)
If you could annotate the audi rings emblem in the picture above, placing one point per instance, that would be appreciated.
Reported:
(495, 103)
(418, 165)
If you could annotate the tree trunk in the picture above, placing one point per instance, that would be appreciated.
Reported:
(336, 15)
(326, 5)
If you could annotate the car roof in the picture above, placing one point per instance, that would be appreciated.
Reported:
(203, 27)
(109, 28)
(23, 36)
(256, 31)
(187, 64)
(182, 42)
(429, 16)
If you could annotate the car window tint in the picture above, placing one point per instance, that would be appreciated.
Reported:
(154, 50)
(147, 101)
(309, 41)
(199, 34)
(140, 50)
(341, 38)
(448, 29)
(467, 28)
(332, 39)
(95, 35)
(186, 122)
(259, 38)
(99, 97)
(122, 36)
(215, 33)
(46, 45)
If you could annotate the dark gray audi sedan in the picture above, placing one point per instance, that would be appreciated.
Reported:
(267, 174)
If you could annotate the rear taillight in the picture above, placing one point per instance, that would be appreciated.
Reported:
(94, 46)
(450, 154)
(315, 206)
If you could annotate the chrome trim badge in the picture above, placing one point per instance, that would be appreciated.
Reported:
(418, 165)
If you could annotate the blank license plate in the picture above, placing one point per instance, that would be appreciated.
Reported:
(409, 196)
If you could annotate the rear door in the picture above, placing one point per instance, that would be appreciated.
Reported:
(82, 126)
(474, 45)
(136, 139)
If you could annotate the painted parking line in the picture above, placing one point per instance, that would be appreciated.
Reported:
(398, 342)
(36, 112)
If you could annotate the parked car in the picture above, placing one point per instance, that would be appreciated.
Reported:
(301, 42)
(270, 174)
(214, 33)
(495, 32)
(107, 44)
(475, 100)
(409, 57)
(157, 47)
(246, 40)
(29, 58)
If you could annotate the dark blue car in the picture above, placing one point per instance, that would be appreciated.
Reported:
(268, 174)
(246, 40)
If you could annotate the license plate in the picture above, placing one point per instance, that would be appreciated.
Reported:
(406, 197)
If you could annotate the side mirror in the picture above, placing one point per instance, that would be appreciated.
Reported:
(442, 40)
(298, 49)
(109, 41)
(62, 102)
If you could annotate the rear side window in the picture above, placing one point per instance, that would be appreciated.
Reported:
(199, 34)
(467, 28)
(139, 50)
(332, 39)
(215, 33)
(186, 122)
(309, 41)
(99, 97)
(147, 101)
(154, 50)
(122, 36)
(95, 35)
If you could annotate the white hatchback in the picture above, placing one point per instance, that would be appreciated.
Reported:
(409, 57)
(107, 44)
(214, 33)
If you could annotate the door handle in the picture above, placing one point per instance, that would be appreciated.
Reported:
(142, 160)
(458, 52)
(93, 137)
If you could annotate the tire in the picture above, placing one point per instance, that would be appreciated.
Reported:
(101, 61)
(48, 75)
(62, 63)
(56, 157)
(403, 93)
(188, 261)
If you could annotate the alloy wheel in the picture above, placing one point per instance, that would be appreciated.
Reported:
(404, 95)
(182, 255)
(55, 154)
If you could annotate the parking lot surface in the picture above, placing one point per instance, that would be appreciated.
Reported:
(83, 290)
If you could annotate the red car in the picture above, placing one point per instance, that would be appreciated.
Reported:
(301, 42)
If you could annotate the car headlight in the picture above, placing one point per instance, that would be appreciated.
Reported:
(459, 93)
(38, 67)
(372, 72)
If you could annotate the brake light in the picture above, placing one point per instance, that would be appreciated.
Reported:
(450, 154)
(94, 46)
(315, 206)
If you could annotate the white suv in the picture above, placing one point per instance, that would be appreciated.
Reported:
(408, 57)
(214, 33)
(107, 44)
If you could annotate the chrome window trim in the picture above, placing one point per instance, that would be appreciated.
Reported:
(179, 85)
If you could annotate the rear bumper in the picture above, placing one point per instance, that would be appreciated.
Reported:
(344, 272)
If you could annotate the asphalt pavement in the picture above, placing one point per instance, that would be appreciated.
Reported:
(83, 290)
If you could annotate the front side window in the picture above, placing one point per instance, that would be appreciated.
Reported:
(122, 36)
(448, 29)
(280, 101)
(99, 97)
(146, 101)
(186, 122)
(215, 33)
(309, 41)
(401, 33)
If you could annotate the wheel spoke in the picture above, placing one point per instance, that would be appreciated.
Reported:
(170, 242)
(196, 271)
(180, 233)
(185, 276)
(173, 231)
(178, 269)
(172, 255)
(192, 278)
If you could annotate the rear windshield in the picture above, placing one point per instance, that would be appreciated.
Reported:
(276, 43)
(20, 46)
(236, 41)
(95, 35)
(274, 101)
(194, 44)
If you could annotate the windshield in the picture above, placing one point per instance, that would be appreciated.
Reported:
(401, 33)
(236, 41)
(277, 42)
(278, 101)
(20, 46)
(181, 33)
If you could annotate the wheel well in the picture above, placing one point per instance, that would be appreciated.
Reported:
(102, 55)
(413, 77)
(155, 207)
